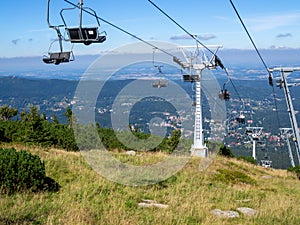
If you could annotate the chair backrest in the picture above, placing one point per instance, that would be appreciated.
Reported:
(91, 33)
(83, 34)
(54, 55)
(60, 55)
(160, 83)
(74, 33)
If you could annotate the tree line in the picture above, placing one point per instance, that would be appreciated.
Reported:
(33, 128)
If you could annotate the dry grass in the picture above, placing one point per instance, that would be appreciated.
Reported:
(87, 198)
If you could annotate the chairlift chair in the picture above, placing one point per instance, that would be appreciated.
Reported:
(261, 142)
(85, 35)
(190, 78)
(266, 163)
(279, 83)
(59, 56)
(248, 132)
(241, 118)
(224, 95)
(160, 83)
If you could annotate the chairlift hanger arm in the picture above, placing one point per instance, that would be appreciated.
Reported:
(227, 82)
(56, 28)
(48, 14)
(62, 17)
(60, 39)
(60, 56)
(48, 18)
(153, 62)
(85, 9)
(216, 58)
(80, 3)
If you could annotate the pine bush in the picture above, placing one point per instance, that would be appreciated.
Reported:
(20, 170)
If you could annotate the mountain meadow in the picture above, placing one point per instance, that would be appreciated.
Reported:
(188, 197)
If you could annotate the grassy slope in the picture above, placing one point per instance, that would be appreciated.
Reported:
(87, 198)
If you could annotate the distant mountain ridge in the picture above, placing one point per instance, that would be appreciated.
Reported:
(231, 58)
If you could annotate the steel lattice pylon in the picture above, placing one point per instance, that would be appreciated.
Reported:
(282, 83)
(196, 62)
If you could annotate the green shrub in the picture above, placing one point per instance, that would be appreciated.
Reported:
(248, 159)
(233, 177)
(295, 170)
(20, 170)
(224, 151)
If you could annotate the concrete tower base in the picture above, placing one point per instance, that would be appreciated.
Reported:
(199, 152)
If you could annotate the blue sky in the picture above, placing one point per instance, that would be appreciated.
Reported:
(271, 23)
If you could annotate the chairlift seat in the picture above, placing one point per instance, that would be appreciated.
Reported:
(279, 83)
(190, 78)
(248, 131)
(57, 58)
(241, 119)
(85, 35)
(160, 83)
(266, 163)
(224, 95)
